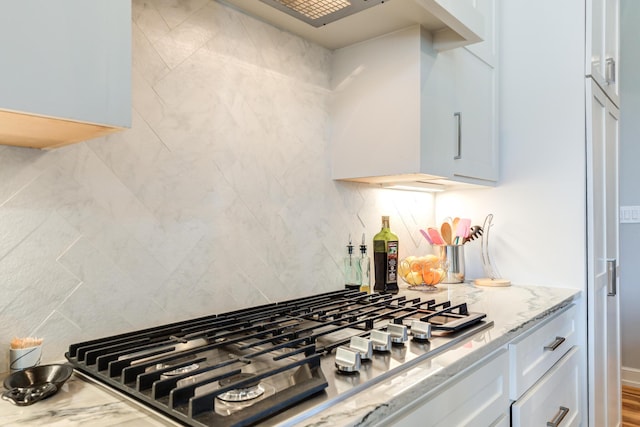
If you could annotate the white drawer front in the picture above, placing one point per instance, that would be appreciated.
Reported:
(532, 355)
(554, 399)
(478, 399)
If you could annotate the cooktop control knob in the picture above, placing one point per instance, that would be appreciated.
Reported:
(362, 346)
(381, 340)
(420, 330)
(347, 359)
(398, 333)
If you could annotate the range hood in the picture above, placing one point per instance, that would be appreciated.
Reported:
(338, 23)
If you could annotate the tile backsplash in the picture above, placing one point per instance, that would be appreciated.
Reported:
(219, 196)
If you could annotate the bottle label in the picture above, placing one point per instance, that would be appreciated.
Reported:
(392, 262)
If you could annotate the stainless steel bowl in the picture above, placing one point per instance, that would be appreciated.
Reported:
(33, 384)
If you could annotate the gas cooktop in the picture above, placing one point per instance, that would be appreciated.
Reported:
(248, 366)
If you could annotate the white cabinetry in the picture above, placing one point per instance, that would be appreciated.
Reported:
(554, 400)
(603, 45)
(66, 70)
(476, 398)
(534, 380)
(403, 111)
(545, 374)
(535, 353)
(602, 226)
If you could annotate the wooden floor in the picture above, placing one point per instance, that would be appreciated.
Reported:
(630, 406)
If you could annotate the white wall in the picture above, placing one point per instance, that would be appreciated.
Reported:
(538, 237)
(629, 194)
(539, 204)
(218, 197)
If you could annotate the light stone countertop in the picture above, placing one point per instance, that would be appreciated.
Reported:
(513, 310)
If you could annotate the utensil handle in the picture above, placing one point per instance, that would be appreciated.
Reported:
(458, 142)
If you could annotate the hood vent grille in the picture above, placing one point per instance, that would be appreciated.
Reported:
(321, 12)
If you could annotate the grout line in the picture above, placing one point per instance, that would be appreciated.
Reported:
(35, 178)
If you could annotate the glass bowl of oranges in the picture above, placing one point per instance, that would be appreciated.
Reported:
(422, 272)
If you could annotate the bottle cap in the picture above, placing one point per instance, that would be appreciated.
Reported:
(363, 246)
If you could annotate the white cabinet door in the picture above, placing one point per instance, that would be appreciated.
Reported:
(476, 141)
(554, 400)
(404, 111)
(68, 60)
(603, 44)
(461, 108)
(475, 398)
(460, 118)
(602, 231)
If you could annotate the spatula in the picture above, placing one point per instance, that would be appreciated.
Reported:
(462, 230)
(435, 236)
(445, 232)
(426, 236)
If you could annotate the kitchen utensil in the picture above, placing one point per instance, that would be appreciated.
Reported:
(445, 232)
(33, 384)
(426, 236)
(493, 278)
(474, 233)
(435, 236)
(462, 230)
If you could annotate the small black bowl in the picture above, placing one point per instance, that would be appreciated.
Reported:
(38, 375)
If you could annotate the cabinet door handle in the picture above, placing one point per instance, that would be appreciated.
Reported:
(458, 147)
(555, 344)
(555, 422)
(612, 277)
(610, 71)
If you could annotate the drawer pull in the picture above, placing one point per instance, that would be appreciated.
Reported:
(555, 422)
(555, 344)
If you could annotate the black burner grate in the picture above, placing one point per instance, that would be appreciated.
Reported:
(180, 369)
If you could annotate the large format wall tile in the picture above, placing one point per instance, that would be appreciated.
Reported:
(219, 196)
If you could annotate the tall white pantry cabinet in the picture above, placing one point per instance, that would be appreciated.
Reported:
(601, 87)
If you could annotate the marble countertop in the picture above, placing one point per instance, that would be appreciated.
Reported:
(512, 309)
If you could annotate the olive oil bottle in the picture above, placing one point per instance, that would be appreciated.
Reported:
(385, 259)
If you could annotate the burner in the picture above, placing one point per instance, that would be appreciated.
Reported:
(177, 371)
(248, 392)
(275, 363)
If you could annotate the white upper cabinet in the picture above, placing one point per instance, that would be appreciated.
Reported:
(66, 70)
(404, 112)
(603, 45)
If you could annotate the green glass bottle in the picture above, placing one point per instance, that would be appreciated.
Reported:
(385, 260)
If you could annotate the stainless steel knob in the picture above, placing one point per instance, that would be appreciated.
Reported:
(421, 330)
(362, 346)
(380, 340)
(398, 333)
(347, 359)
